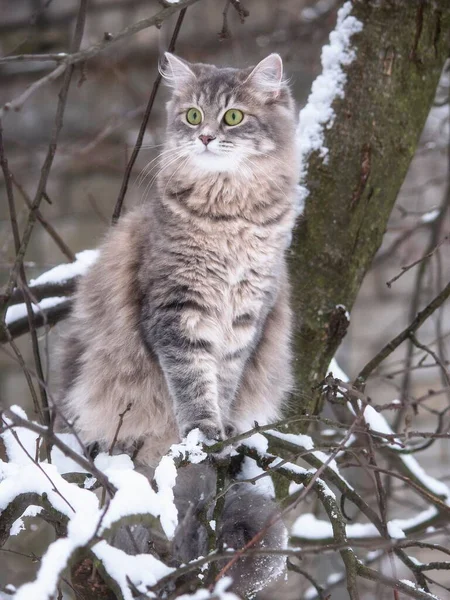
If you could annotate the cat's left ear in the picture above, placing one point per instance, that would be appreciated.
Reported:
(268, 74)
(176, 71)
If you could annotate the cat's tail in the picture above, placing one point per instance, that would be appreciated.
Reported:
(247, 511)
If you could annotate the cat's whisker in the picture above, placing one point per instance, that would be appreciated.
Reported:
(145, 170)
(179, 152)
(158, 173)
(163, 168)
(161, 154)
(182, 165)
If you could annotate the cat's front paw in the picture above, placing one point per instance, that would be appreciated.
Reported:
(211, 429)
(230, 429)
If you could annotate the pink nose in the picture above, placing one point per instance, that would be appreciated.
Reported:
(206, 139)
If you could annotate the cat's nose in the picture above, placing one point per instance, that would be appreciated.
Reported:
(206, 138)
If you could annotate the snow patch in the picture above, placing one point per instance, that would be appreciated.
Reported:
(218, 593)
(250, 470)
(430, 216)
(318, 114)
(165, 477)
(377, 422)
(257, 442)
(62, 273)
(337, 371)
(142, 569)
(19, 525)
(190, 448)
(19, 311)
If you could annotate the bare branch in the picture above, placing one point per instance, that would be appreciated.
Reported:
(140, 137)
(75, 57)
(45, 171)
(404, 335)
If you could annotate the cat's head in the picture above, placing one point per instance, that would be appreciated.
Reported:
(226, 120)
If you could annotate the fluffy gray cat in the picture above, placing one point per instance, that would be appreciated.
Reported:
(186, 315)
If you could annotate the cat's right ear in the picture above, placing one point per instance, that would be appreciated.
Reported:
(175, 71)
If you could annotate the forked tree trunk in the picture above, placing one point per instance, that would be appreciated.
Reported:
(400, 54)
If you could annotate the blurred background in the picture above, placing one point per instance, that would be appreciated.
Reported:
(105, 106)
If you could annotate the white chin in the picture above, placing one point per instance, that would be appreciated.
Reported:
(214, 163)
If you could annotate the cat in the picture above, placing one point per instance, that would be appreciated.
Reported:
(185, 316)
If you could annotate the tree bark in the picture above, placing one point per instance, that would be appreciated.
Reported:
(390, 87)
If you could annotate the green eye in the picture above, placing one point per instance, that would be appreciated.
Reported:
(194, 116)
(233, 116)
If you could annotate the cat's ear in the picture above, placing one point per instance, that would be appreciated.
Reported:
(175, 71)
(268, 74)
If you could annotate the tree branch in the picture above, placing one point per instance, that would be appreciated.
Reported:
(75, 57)
(401, 337)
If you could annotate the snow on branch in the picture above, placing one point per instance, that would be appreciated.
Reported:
(30, 485)
(318, 114)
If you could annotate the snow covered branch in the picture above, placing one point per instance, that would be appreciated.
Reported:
(85, 527)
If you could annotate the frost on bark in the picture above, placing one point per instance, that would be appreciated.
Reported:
(399, 56)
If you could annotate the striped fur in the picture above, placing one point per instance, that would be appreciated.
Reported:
(186, 313)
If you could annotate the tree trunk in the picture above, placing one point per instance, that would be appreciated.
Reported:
(391, 83)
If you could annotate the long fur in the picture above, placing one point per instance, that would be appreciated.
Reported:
(186, 315)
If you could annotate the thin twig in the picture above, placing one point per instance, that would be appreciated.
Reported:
(404, 335)
(47, 433)
(140, 137)
(74, 56)
(42, 410)
(429, 351)
(45, 171)
(416, 262)
(45, 224)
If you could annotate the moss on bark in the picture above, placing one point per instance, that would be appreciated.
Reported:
(390, 87)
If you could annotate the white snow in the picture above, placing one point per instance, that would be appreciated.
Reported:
(58, 274)
(64, 497)
(431, 483)
(62, 273)
(304, 441)
(377, 422)
(430, 216)
(347, 314)
(165, 477)
(257, 442)
(63, 463)
(395, 532)
(318, 114)
(190, 447)
(18, 450)
(87, 519)
(337, 371)
(218, 593)
(416, 587)
(135, 495)
(19, 311)
(249, 470)
(307, 526)
(142, 569)
(19, 525)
